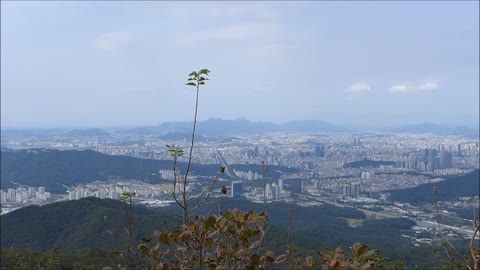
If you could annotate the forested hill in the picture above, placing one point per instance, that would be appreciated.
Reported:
(461, 186)
(86, 223)
(55, 168)
(99, 223)
(96, 223)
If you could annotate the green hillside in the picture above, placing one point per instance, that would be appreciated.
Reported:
(92, 223)
(88, 230)
(95, 223)
(467, 185)
(86, 223)
(327, 225)
(55, 168)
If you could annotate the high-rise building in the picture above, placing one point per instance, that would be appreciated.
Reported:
(347, 190)
(25, 195)
(237, 189)
(280, 184)
(11, 195)
(274, 192)
(101, 193)
(87, 193)
(31, 192)
(432, 159)
(446, 160)
(3, 196)
(268, 191)
(71, 195)
(414, 162)
(319, 151)
(18, 197)
(316, 184)
(356, 142)
(356, 190)
(365, 175)
(78, 194)
(426, 154)
(112, 194)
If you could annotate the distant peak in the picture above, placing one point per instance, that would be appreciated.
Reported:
(243, 119)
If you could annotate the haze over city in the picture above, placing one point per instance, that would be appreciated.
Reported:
(93, 64)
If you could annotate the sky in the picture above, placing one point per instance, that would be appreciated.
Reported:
(125, 63)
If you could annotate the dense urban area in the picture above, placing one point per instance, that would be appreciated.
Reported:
(350, 170)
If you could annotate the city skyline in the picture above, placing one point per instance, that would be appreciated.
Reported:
(96, 64)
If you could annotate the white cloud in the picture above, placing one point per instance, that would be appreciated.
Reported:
(236, 32)
(402, 88)
(111, 40)
(222, 10)
(428, 86)
(359, 87)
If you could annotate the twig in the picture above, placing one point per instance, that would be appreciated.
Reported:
(435, 192)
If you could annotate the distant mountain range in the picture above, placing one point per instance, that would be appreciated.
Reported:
(437, 129)
(87, 132)
(219, 128)
(216, 127)
(179, 136)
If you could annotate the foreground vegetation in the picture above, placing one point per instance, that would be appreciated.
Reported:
(81, 229)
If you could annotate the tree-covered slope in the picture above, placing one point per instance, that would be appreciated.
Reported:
(97, 223)
(86, 223)
(467, 185)
(54, 168)
(327, 226)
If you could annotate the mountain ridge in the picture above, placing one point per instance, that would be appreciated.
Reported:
(55, 168)
(217, 127)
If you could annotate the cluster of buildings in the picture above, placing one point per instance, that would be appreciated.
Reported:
(113, 189)
(246, 175)
(80, 192)
(317, 160)
(23, 194)
(432, 159)
(351, 190)
(275, 191)
(272, 192)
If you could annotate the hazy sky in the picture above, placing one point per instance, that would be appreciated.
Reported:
(122, 63)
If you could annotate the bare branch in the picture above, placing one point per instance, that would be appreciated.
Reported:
(471, 247)
(207, 191)
(445, 239)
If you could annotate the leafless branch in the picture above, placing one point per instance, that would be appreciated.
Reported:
(445, 239)
(471, 247)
